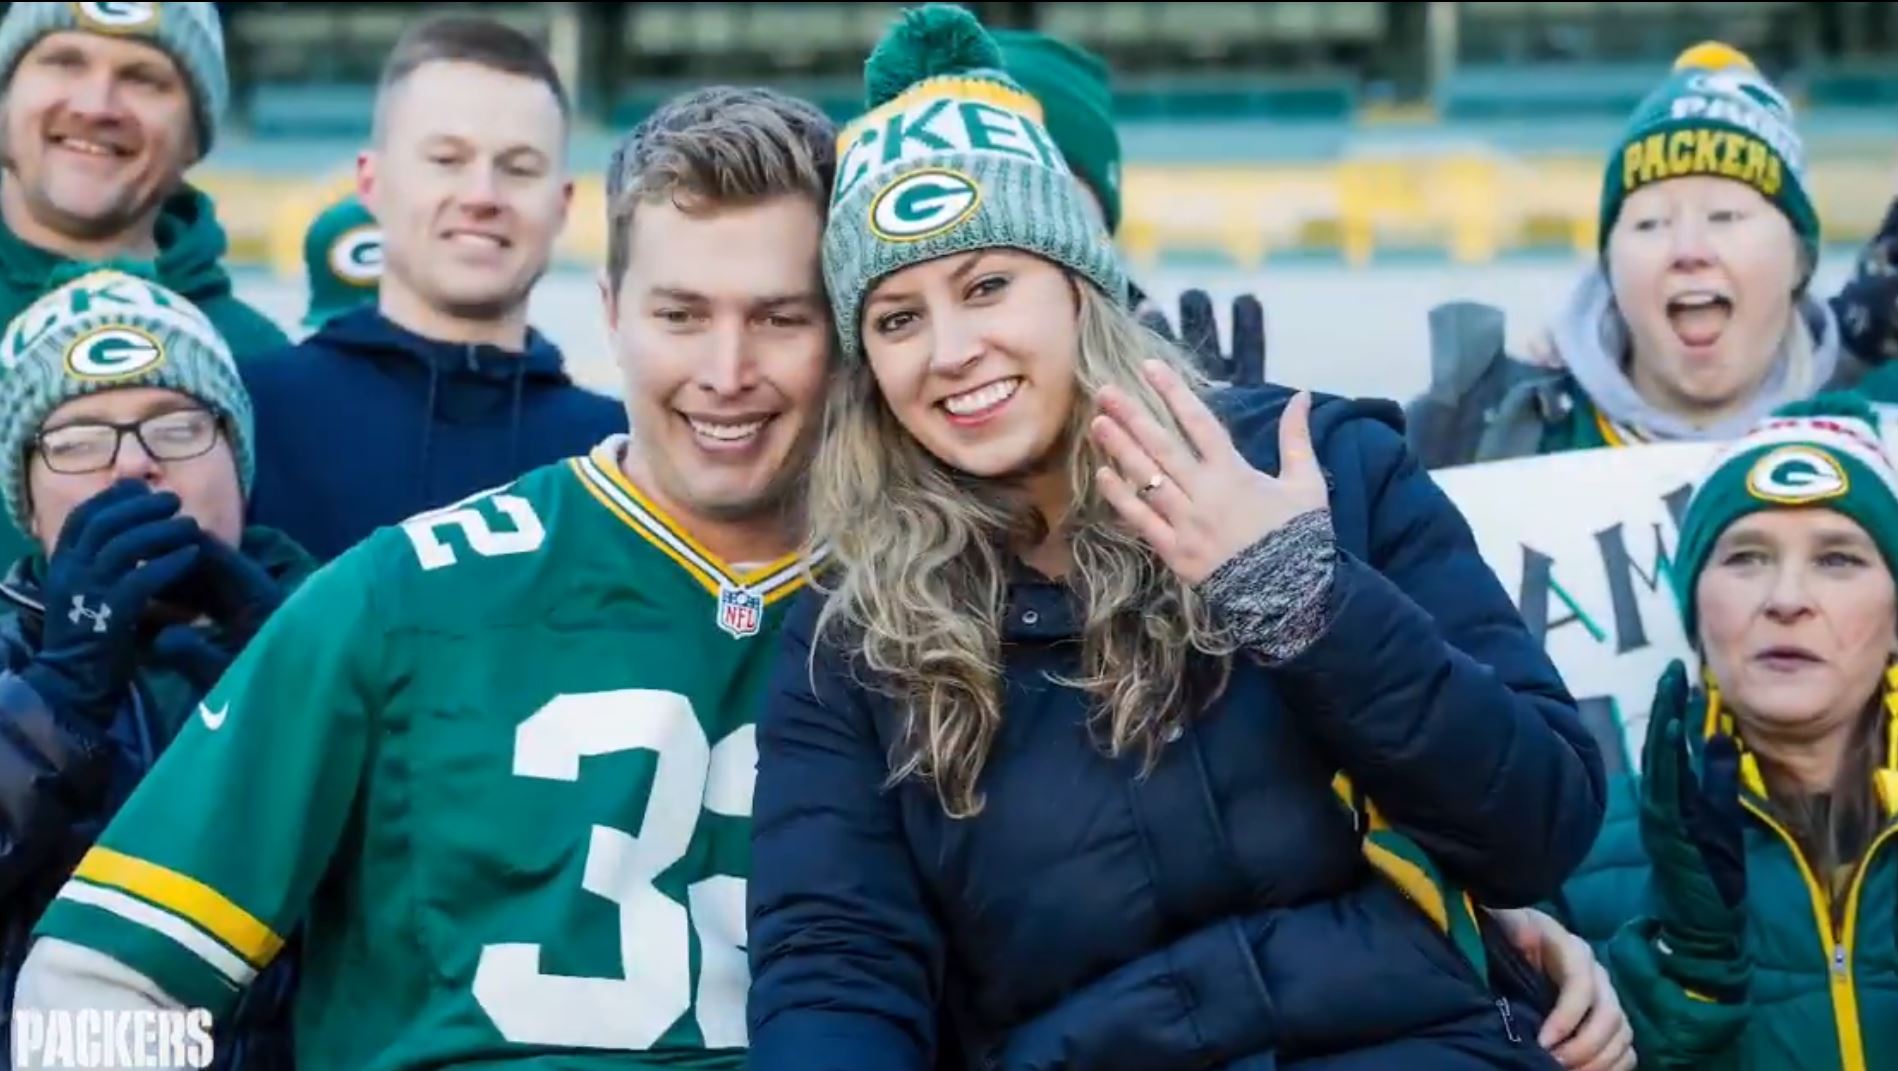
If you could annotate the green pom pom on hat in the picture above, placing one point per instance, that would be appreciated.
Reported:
(927, 42)
(953, 156)
(1827, 452)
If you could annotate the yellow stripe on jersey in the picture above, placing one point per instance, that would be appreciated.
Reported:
(186, 897)
(160, 921)
(600, 474)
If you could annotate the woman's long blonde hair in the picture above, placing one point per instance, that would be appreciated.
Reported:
(923, 552)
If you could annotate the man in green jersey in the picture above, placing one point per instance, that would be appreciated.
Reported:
(496, 762)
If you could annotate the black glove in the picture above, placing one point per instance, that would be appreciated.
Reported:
(236, 593)
(1694, 834)
(1199, 336)
(116, 551)
(191, 651)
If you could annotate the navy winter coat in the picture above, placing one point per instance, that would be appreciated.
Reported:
(1218, 912)
(366, 424)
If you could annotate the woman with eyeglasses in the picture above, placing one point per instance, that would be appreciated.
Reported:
(125, 455)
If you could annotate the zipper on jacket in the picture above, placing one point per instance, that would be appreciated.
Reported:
(1837, 943)
(1509, 1020)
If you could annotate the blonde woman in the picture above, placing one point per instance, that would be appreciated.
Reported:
(1075, 765)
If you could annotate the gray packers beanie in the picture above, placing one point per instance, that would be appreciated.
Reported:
(110, 330)
(952, 156)
(190, 33)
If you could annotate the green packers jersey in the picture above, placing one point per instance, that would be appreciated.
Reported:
(497, 763)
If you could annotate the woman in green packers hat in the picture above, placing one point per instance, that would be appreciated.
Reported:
(1747, 883)
(1696, 322)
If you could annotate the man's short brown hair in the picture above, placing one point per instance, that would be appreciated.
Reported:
(724, 145)
(468, 39)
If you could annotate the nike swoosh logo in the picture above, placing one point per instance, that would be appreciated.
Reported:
(213, 719)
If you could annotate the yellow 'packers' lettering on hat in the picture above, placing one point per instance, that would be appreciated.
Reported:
(117, 17)
(113, 353)
(1795, 475)
(923, 204)
(1702, 151)
(356, 256)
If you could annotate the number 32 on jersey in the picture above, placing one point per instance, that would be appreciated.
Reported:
(633, 1012)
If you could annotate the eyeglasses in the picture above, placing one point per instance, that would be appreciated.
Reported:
(91, 446)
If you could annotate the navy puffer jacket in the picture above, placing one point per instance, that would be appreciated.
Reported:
(1218, 912)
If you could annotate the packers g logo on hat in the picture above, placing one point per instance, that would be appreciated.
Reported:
(109, 353)
(117, 17)
(356, 256)
(923, 204)
(1794, 475)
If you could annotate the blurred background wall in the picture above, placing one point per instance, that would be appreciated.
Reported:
(1352, 132)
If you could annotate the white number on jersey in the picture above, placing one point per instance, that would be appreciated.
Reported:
(634, 1011)
(527, 533)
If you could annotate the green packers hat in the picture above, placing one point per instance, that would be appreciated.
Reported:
(342, 258)
(1824, 453)
(1714, 115)
(1077, 100)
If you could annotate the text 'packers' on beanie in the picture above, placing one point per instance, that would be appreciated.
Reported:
(952, 156)
(1714, 115)
(110, 330)
(191, 33)
(1823, 453)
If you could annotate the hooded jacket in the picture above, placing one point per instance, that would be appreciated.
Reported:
(62, 778)
(1822, 970)
(366, 424)
(1217, 911)
(191, 248)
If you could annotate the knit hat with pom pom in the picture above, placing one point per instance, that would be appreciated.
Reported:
(1827, 452)
(952, 156)
(1714, 115)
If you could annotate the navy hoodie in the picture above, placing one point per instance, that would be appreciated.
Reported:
(366, 423)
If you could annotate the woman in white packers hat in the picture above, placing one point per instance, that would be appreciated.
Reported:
(1067, 766)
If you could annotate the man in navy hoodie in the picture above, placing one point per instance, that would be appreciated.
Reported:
(440, 389)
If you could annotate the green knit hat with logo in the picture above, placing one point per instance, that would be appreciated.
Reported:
(342, 258)
(1823, 453)
(190, 33)
(953, 155)
(1714, 115)
(1076, 93)
(108, 330)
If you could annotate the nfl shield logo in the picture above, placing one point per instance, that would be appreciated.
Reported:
(740, 612)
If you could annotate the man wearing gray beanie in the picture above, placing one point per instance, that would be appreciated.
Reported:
(125, 451)
(106, 106)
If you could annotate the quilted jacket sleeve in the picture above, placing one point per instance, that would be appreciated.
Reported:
(1429, 690)
(846, 958)
(52, 775)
